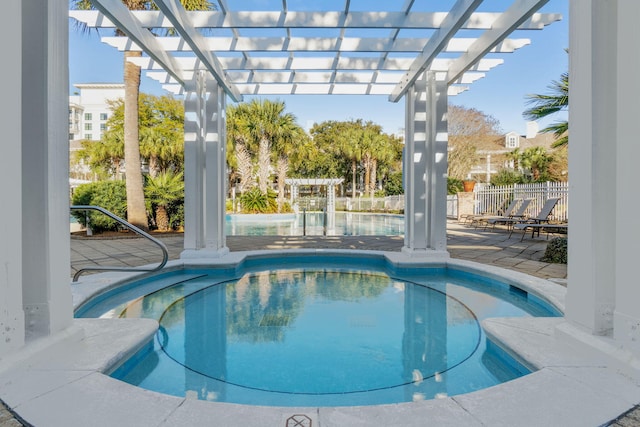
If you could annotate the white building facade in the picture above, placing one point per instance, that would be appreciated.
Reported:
(89, 109)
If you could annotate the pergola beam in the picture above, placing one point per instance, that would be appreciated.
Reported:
(320, 19)
(117, 13)
(459, 14)
(317, 44)
(519, 12)
(314, 89)
(176, 13)
(270, 64)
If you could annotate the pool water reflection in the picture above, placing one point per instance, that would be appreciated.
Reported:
(322, 337)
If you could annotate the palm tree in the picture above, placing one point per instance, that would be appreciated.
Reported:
(383, 152)
(351, 145)
(284, 145)
(104, 156)
(136, 211)
(553, 102)
(535, 159)
(239, 158)
(163, 190)
(514, 156)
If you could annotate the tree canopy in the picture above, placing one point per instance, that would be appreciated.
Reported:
(470, 130)
(161, 137)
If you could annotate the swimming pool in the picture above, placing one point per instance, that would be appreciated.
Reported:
(284, 332)
(337, 224)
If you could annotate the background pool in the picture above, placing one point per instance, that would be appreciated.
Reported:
(338, 224)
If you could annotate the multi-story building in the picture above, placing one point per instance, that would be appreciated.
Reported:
(88, 115)
(89, 110)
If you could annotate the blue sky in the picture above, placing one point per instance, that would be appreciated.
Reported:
(500, 94)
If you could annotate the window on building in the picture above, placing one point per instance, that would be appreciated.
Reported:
(88, 126)
(512, 141)
(88, 116)
(103, 116)
(88, 136)
(103, 127)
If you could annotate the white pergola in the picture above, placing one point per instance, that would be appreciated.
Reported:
(404, 50)
(602, 311)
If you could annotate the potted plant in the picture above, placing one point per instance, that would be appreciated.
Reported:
(468, 185)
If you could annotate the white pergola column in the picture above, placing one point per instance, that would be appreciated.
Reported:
(331, 198)
(425, 166)
(11, 311)
(626, 320)
(205, 170)
(45, 168)
(603, 292)
(595, 143)
(35, 297)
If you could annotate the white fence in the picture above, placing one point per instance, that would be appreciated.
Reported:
(487, 199)
(494, 199)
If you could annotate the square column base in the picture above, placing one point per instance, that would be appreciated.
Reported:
(204, 253)
(425, 253)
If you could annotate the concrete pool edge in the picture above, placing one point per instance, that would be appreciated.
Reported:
(571, 387)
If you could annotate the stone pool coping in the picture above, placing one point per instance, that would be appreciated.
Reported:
(59, 380)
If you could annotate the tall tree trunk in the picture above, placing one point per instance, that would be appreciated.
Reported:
(283, 168)
(136, 213)
(116, 172)
(367, 173)
(374, 173)
(264, 163)
(354, 166)
(245, 167)
(154, 166)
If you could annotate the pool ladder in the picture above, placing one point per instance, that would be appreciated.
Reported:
(163, 247)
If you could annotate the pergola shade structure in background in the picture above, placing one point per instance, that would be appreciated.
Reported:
(333, 47)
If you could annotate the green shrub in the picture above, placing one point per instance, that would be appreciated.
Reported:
(556, 251)
(286, 208)
(253, 201)
(454, 186)
(176, 215)
(393, 184)
(110, 195)
(507, 177)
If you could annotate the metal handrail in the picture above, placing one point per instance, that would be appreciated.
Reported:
(165, 252)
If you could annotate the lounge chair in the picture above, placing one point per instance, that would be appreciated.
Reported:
(547, 228)
(516, 216)
(477, 219)
(466, 219)
(537, 222)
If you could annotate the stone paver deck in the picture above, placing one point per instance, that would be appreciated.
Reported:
(484, 246)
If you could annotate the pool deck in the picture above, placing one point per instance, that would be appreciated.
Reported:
(59, 382)
(483, 246)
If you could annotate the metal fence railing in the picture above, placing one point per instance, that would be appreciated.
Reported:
(360, 204)
(493, 199)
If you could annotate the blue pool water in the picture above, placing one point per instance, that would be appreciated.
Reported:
(297, 335)
(338, 224)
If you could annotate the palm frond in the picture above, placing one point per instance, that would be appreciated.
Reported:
(543, 105)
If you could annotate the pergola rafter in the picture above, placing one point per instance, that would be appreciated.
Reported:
(325, 19)
(326, 52)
